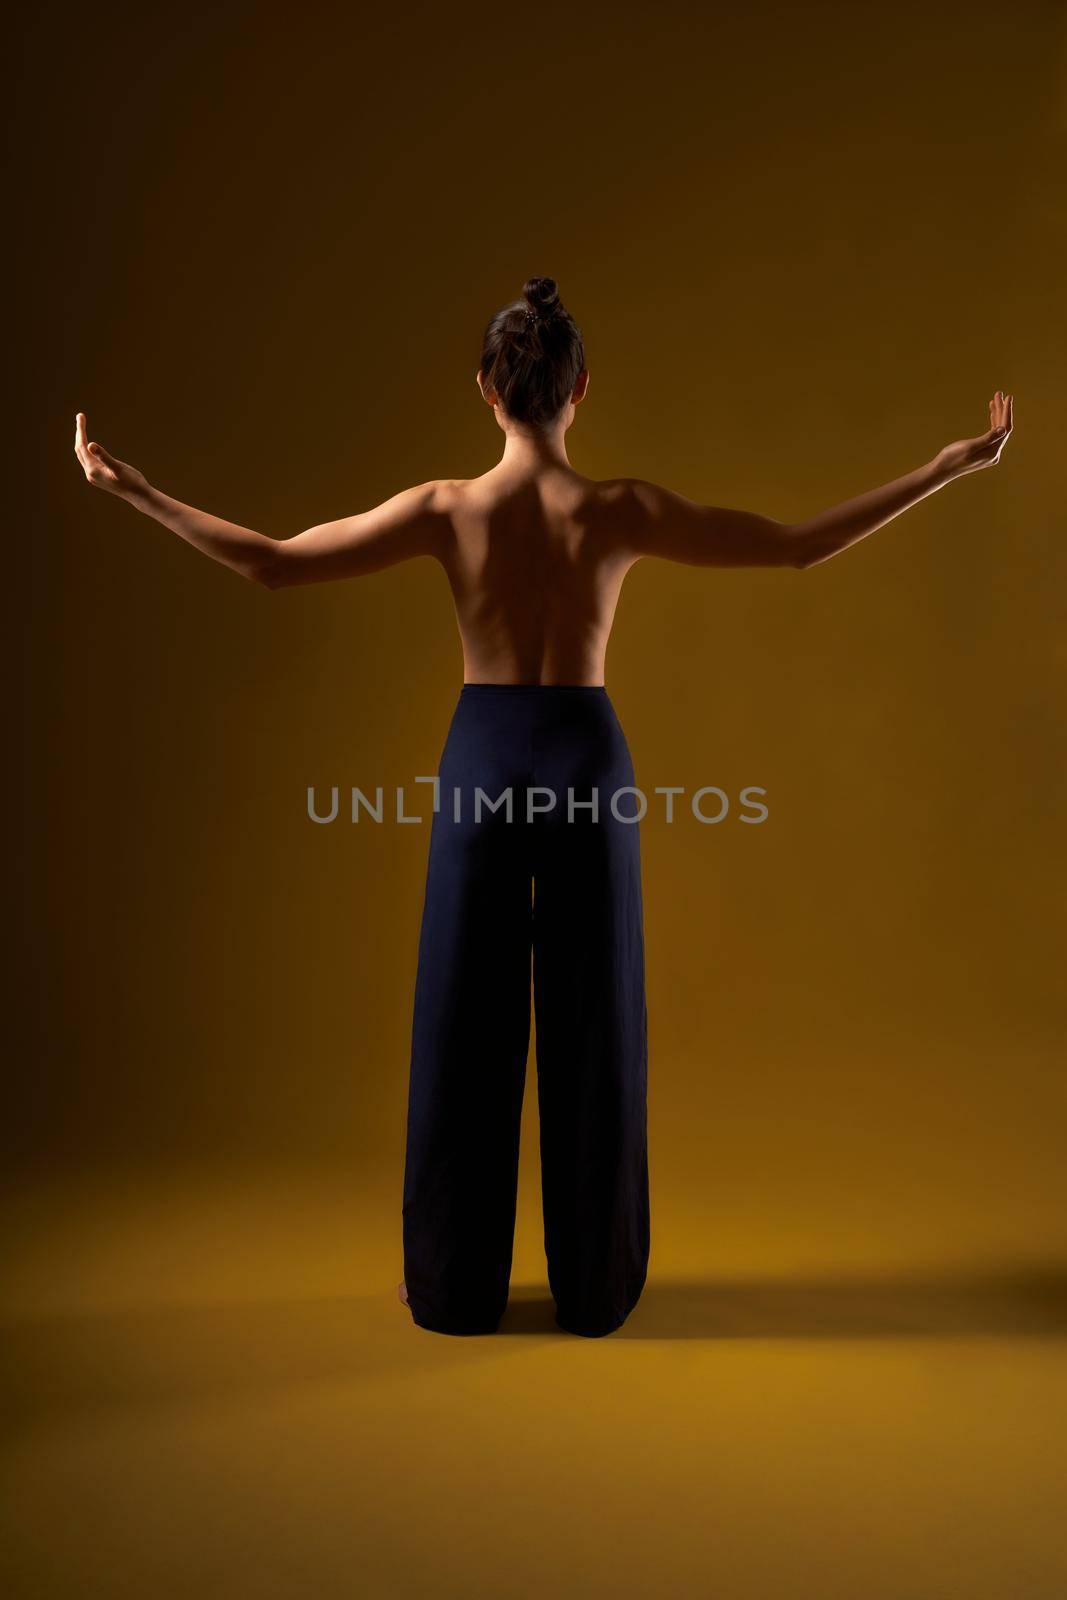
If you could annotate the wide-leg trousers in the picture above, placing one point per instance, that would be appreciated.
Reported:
(534, 867)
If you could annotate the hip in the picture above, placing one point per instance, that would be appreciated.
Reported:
(534, 733)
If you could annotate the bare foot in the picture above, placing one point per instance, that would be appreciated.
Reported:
(402, 1291)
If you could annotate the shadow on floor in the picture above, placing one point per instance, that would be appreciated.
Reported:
(88, 1361)
(1009, 1301)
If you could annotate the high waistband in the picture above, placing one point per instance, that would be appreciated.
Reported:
(474, 690)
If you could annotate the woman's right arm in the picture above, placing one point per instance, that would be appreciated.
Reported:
(662, 523)
(413, 522)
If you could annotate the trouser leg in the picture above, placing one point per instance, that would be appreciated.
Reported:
(470, 1037)
(592, 1068)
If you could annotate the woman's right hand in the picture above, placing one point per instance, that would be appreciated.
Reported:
(969, 455)
(103, 470)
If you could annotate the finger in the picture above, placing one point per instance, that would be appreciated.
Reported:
(98, 452)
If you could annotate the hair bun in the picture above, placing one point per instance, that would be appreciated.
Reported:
(541, 295)
(532, 355)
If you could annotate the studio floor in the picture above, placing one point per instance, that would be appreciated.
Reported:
(216, 1392)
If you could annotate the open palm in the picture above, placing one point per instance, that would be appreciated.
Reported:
(103, 470)
(969, 455)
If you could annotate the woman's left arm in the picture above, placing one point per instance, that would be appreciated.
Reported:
(409, 524)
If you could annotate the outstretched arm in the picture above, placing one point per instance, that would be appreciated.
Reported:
(409, 524)
(666, 524)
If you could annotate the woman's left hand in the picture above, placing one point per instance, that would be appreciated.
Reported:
(969, 455)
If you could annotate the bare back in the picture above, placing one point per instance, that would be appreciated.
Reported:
(535, 564)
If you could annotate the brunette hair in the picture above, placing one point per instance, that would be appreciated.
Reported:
(532, 354)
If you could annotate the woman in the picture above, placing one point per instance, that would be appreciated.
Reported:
(535, 555)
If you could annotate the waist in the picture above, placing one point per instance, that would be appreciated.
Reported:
(496, 706)
(554, 733)
(472, 691)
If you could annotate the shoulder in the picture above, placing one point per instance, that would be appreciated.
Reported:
(430, 507)
(630, 507)
(634, 497)
(445, 496)
(436, 496)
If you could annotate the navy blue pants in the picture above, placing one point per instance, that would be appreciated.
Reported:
(556, 886)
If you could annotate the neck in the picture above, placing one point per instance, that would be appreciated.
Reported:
(535, 448)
